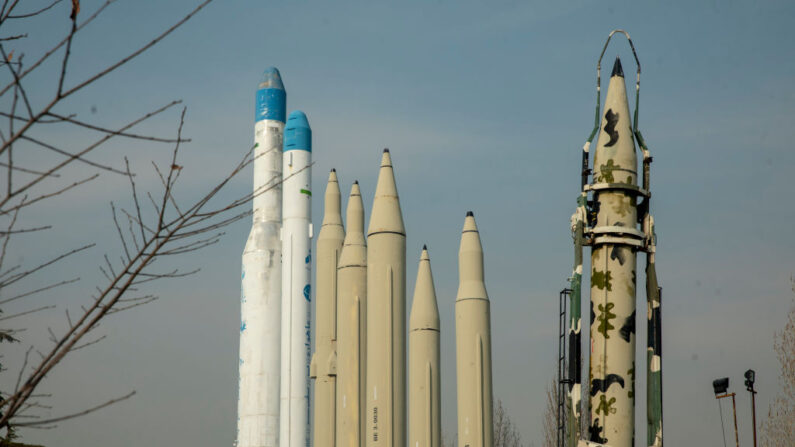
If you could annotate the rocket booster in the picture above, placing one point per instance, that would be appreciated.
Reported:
(296, 275)
(386, 315)
(260, 301)
(473, 343)
(616, 240)
(324, 363)
(258, 405)
(424, 351)
(352, 327)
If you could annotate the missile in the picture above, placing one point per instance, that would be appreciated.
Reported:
(352, 327)
(613, 258)
(653, 349)
(296, 274)
(574, 396)
(386, 315)
(324, 363)
(424, 393)
(260, 301)
(473, 343)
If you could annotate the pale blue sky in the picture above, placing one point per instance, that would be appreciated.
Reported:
(485, 107)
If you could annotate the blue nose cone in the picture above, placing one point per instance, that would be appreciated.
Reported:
(297, 133)
(271, 102)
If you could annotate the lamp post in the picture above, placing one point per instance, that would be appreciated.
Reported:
(721, 387)
(750, 378)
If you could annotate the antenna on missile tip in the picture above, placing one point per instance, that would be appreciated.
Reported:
(617, 70)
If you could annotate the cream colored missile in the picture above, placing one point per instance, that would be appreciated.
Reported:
(424, 394)
(386, 316)
(324, 362)
(352, 326)
(613, 275)
(473, 343)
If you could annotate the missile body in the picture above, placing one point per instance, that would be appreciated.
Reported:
(424, 351)
(574, 397)
(473, 343)
(654, 412)
(324, 363)
(296, 274)
(260, 302)
(386, 316)
(616, 240)
(352, 327)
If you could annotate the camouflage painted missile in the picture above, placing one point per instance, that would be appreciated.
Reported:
(473, 343)
(653, 348)
(424, 351)
(386, 315)
(613, 276)
(574, 396)
(324, 362)
(352, 326)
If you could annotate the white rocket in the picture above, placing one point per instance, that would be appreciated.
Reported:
(296, 275)
(260, 300)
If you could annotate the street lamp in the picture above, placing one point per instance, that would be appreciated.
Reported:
(750, 377)
(721, 388)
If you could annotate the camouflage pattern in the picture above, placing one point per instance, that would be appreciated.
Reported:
(613, 276)
(654, 348)
(613, 206)
(575, 324)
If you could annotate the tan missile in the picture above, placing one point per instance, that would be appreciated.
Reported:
(324, 362)
(473, 343)
(386, 316)
(613, 275)
(352, 327)
(424, 394)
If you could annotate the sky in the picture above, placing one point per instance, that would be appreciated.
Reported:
(485, 107)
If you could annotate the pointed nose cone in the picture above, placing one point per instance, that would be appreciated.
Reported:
(297, 133)
(617, 69)
(470, 237)
(354, 248)
(471, 276)
(331, 208)
(271, 99)
(355, 211)
(469, 223)
(615, 160)
(386, 216)
(424, 310)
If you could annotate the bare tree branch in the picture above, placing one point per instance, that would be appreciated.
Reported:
(34, 13)
(74, 415)
(39, 290)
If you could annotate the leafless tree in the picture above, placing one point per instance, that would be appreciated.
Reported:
(505, 432)
(152, 225)
(778, 430)
(551, 414)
